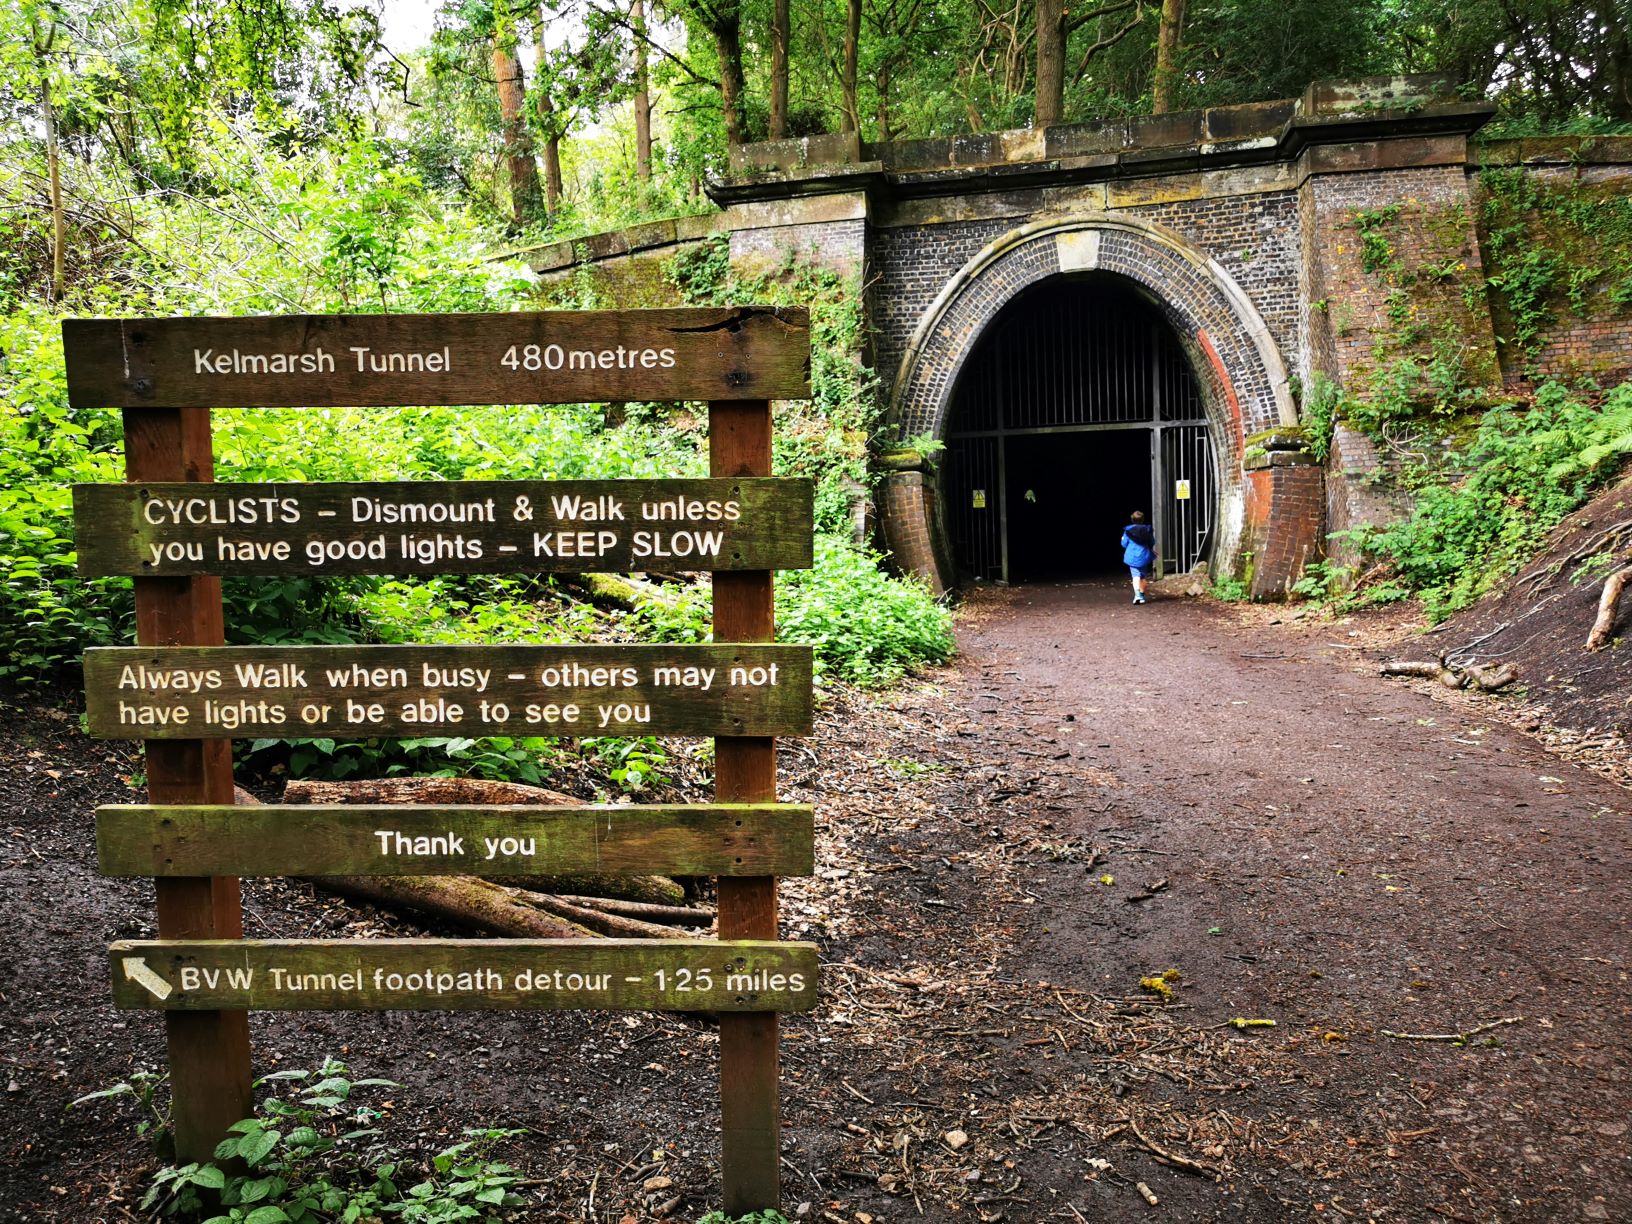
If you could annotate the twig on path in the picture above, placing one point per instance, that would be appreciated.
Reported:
(845, 1084)
(1458, 1037)
(1172, 1158)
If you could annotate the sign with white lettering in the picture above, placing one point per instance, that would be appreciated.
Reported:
(464, 975)
(441, 527)
(226, 692)
(718, 839)
(537, 357)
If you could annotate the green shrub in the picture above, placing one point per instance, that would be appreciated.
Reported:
(867, 627)
(1524, 471)
(312, 1154)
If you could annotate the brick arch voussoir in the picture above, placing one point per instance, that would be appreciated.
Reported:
(1243, 376)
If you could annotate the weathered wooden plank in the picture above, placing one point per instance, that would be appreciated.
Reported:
(442, 527)
(210, 1083)
(364, 691)
(401, 839)
(465, 975)
(739, 445)
(549, 357)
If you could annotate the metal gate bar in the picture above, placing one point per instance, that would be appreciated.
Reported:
(1077, 356)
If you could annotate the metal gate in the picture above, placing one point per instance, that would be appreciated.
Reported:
(1075, 357)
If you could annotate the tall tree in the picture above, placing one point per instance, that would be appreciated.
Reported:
(1167, 56)
(526, 202)
(780, 32)
(43, 36)
(643, 93)
(1055, 25)
(547, 117)
(852, 49)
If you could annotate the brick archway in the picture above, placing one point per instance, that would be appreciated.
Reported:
(1234, 357)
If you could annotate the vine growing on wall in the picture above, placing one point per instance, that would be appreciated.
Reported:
(1557, 250)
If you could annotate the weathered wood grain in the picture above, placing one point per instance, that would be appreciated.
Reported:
(442, 527)
(464, 975)
(400, 839)
(364, 691)
(739, 445)
(706, 353)
(208, 1051)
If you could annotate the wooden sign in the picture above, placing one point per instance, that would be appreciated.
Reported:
(549, 357)
(725, 839)
(442, 527)
(464, 975)
(241, 692)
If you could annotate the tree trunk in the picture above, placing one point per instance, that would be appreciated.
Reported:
(781, 29)
(548, 121)
(53, 160)
(852, 54)
(643, 97)
(727, 28)
(1050, 105)
(525, 200)
(1167, 56)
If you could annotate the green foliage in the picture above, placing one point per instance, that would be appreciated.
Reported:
(1523, 472)
(1320, 413)
(1230, 590)
(313, 1155)
(867, 628)
(1555, 248)
(767, 1216)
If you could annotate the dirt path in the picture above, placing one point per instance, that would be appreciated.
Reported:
(1091, 795)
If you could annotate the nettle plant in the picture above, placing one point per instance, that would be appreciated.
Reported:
(315, 1154)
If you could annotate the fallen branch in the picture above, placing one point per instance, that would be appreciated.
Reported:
(464, 901)
(1603, 628)
(600, 920)
(1172, 1158)
(1472, 675)
(684, 915)
(1460, 1038)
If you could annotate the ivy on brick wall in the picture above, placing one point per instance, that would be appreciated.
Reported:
(1559, 252)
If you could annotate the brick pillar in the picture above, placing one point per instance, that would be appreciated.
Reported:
(907, 504)
(1286, 510)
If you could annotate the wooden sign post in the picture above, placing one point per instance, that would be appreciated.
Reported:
(186, 694)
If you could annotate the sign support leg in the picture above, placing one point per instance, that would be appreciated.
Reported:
(209, 1050)
(739, 443)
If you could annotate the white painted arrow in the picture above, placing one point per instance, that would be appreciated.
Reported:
(136, 970)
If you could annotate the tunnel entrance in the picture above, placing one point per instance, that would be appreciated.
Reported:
(1076, 407)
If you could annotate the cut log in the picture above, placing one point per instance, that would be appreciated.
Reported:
(420, 790)
(603, 922)
(1603, 628)
(465, 901)
(684, 915)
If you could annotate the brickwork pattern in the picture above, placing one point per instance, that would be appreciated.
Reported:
(1434, 225)
(1286, 510)
(837, 245)
(907, 507)
(1192, 302)
(908, 267)
(1257, 239)
(1594, 343)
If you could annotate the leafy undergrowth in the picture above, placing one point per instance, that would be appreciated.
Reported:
(1483, 513)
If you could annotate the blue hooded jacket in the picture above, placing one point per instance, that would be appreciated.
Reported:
(1138, 545)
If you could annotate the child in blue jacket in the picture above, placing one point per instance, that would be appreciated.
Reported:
(1139, 552)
